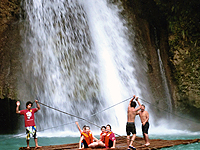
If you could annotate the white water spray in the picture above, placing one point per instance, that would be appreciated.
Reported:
(77, 59)
(114, 53)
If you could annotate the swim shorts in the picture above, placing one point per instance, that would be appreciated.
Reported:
(130, 128)
(31, 131)
(145, 128)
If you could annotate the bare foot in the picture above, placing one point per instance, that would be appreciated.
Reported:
(147, 144)
(38, 147)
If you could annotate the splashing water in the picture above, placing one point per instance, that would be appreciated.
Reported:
(77, 59)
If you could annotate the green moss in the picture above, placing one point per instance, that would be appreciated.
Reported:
(184, 52)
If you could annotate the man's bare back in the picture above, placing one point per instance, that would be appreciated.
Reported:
(131, 114)
(132, 111)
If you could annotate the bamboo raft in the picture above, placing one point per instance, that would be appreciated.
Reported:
(121, 144)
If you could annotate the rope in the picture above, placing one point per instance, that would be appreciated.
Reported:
(170, 112)
(89, 121)
(100, 112)
(22, 134)
(88, 116)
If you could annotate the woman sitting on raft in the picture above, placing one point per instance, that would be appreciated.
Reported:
(110, 140)
(107, 137)
(101, 142)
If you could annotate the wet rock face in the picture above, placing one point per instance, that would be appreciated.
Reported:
(150, 29)
(10, 10)
(9, 47)
(9, 120)
(9, 63)
(181, 61)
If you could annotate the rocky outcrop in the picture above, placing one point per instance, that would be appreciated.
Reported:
(181, 60)
(184, 52)
(9, 48)
(150, 28)
(9, 63)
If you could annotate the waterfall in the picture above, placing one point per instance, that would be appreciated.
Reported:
(77, 58)
(164, 79)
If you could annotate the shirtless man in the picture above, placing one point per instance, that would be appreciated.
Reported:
(130, 126)
(144, 117)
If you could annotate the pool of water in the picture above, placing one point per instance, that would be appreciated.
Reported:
(13, 142)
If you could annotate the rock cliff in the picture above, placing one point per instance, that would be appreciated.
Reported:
(181, 59)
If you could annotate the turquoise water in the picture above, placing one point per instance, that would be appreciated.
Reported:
(193, 146)
(8, 142)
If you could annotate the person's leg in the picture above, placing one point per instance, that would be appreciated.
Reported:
(145, 133)
(146, 139)
(85, 144)
(133, 130)
(27, 141)
(132, 139)
(27, 137)
(93, 145)
(101, 144)
(128, 132)
(36, 143)
(128, 140)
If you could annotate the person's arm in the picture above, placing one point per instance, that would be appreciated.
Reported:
(17, 108)
(129, 105)
(78, 127)
(138, 113)
(38, 106)
(81, 139)
(138, 108)
(114, 143)
(147, 118)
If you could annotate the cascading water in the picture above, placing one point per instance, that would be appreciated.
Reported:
(164, 79)
(77, 59)
(167, 97)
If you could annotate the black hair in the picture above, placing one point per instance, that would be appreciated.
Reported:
(143, 105)
(84, 127)
(103, 127)
(29, 102)
(109, 126)
(133, 104)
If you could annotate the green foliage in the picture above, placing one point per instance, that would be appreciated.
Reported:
(183, 19)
